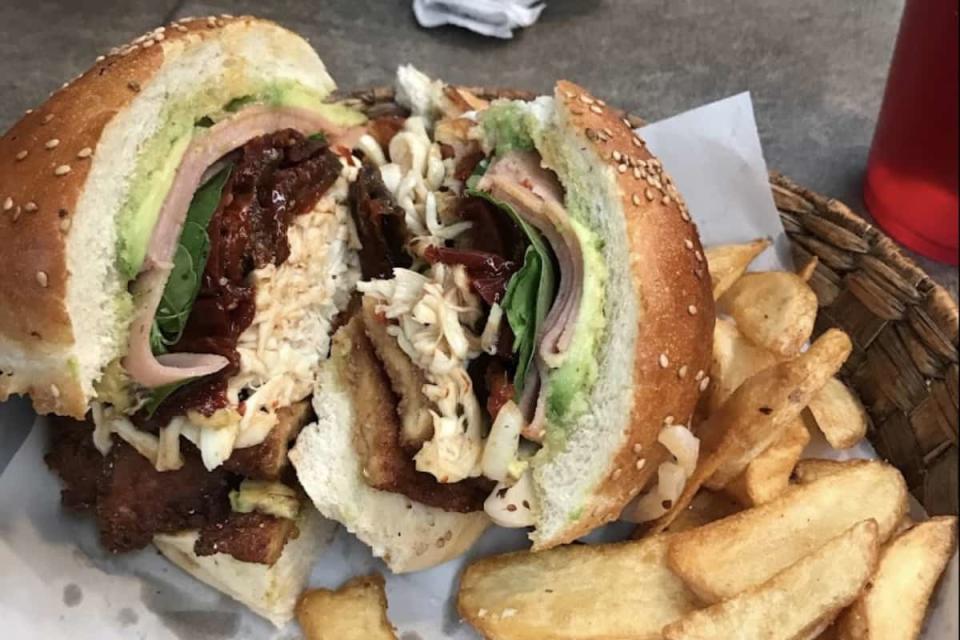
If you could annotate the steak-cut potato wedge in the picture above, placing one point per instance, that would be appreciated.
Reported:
(839, 415)
(774, 309)
(735, 359)
(795, 601)
(727, 262)
(724, 558)
(576, 592)
(894, 606)
(768, 475)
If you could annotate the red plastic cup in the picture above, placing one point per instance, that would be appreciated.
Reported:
(911, 181)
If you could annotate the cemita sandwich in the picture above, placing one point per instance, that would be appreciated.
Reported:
(179, 214)
(538, 302)
(460, 312)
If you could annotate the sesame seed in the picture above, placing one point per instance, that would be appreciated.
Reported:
(682, 372)
(585, 99)
(159, 37)
(641, 463)
(637, 142)
(570, 94)
(65, 224)
(648, 194)
(688, 243)
(637, 448)
(181, 28)
(596, 109)
(704, 383)
(684, 215)
(21, 155)
(616, 473)
(637, 173)
(626, 122)
(47, 118)
(86, 152)
(698, 255)
(621, 168)
(664, 361)
(52, 143)
(55, 391)
(616, 155)
(62, 170)
(665, 200)
(148, 43)
(8, 203)
(607, 132)
(636, 200)
(668, 420)
(601, 102)
(42, 279)
(692, 309)
(16, 214)
(30, 207)
(699, 375)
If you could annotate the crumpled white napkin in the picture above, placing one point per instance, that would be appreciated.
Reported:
(497, 18)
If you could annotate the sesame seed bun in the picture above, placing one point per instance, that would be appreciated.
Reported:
(659, 316)
(65, 173)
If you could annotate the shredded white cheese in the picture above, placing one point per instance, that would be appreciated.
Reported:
(415, 171)
(436, 314)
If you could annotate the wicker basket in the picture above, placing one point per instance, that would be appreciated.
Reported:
(903, 325)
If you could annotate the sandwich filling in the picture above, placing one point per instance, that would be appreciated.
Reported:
(250, 262)
(482, 295)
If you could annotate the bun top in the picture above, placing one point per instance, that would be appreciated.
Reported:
(44, 162)
(47, 162)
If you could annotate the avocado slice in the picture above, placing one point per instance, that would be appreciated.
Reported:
(158, 163)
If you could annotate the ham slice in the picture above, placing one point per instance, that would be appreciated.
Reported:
(517, 179)
(208, 147)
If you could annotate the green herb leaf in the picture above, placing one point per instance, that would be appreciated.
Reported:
(189, 262)
(182, 286)
(530, 291)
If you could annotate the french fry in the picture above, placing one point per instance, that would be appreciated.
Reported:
(706, 507)
(774, 309)
(746, 549)
(796, 600)
(894, 606)
(813, 469)
(761, 409)
(768, 475)
(755, 416)
(839, 415)
(620, 590)
(734, 360)
(355, 611)
(727, 262)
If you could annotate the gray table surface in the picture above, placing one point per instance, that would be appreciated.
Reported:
(816, 68)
